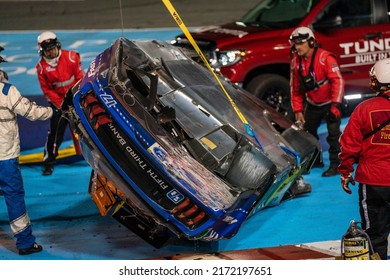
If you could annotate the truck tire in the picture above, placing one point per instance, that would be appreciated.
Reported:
(274, 89)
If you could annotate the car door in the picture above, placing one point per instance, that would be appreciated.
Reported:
(358, 33)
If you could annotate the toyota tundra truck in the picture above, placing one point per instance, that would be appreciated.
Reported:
(254, 52)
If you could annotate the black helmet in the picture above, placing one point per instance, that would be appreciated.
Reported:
(2, 59)
(3, 75)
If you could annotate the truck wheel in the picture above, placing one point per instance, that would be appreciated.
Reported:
(274, 90)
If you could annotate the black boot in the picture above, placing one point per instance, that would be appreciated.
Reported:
(48, 169)
(34, 249)
(332, 171)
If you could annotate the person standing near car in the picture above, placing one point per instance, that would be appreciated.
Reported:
(58, 70)
(317, 90)
(366, 141)
(12, 103)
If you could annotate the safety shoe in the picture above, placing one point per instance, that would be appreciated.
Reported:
(332, 171)
(298, 188)
(47, 170)
(34, 249)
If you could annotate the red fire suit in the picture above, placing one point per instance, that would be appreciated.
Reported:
(328, 76)
(372, 156)
(56, 78)
(56, 81)
(316, 103)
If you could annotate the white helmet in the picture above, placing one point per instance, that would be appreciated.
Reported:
(380, 75)
(47, 35)
(301, 34)
(46, 41)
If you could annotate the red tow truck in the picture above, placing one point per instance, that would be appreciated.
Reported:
(254, 51)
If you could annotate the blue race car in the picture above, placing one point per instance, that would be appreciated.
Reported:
(177, 152)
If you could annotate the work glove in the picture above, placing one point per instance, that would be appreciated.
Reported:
(299, 125)
(334, 112)
(345, 180)
(299, 117)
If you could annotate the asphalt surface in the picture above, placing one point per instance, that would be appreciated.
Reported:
(116, 14)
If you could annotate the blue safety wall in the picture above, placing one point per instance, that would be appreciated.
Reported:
(21, 52)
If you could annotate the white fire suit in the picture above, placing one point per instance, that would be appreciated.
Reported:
(11, 183)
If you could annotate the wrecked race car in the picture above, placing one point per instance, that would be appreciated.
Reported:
(170, 154)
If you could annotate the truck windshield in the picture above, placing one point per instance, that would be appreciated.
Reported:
(277, 13)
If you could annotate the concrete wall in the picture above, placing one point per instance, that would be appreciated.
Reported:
(106, 14)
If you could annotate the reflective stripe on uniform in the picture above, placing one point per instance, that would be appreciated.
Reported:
(364, 206)
(64, 83)
(20, 224)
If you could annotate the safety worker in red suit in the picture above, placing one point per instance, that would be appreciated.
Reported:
(12, 103)
(317, 91)
(366, 141)
(58, 70)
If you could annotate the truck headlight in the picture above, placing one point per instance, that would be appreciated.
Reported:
(227, 58)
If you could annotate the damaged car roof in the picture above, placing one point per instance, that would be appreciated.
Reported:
(169, 149)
